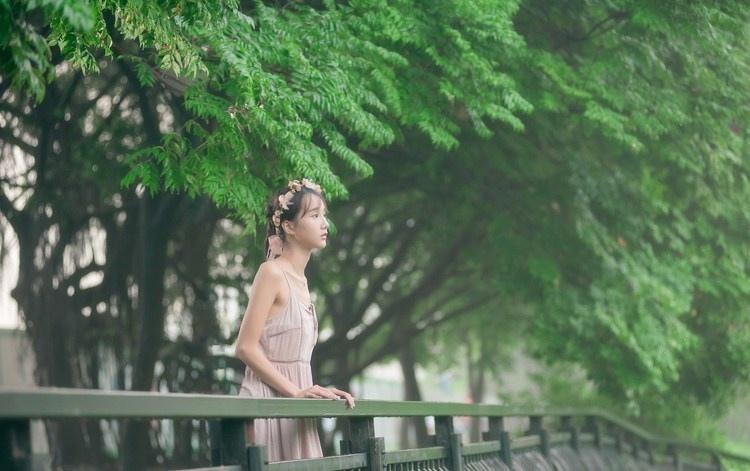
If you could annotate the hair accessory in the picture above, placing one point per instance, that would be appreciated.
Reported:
(274, 247)
(285, 200)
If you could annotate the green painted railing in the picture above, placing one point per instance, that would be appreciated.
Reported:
(548, 429)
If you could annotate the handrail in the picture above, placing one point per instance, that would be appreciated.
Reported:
(660, 440)
(59, 403)
(63, 403)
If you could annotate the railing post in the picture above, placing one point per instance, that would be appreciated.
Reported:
(676, 461)
(567, 425)
(376, 452)
(592, 426)
(362, 439)
(15, 444)
(446, 437)
(495, 426)
(344, 445)
(716, 461)
(536, 428)
(361, 429)
(618, 440)
(214, 441)
(257, 457)
(544, 439)
(535, 424)
(649, 452)
(228, 445)
(496, 431)
(634, 443)
(505, 449)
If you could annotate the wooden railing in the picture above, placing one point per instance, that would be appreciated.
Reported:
(549, 431)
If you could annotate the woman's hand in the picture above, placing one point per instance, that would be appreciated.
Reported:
(345, 395)
(319, 392)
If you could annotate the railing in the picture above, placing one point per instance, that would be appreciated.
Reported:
(553, 434)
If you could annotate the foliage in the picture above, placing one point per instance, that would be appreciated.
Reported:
(280, 91)
(655, 285)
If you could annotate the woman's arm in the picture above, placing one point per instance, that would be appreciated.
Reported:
(266, 286)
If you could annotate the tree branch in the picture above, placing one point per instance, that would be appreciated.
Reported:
(75, 278)
(82, 109)
(7, 208)
(71, 89)
(348, 305)
(4, 86)
(384, 273)
(614, 17)
(428, 284)
(355, 314)
(450, 294)
(6, 134)
(399, 334)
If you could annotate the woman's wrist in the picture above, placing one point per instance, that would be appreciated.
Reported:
(294, 393)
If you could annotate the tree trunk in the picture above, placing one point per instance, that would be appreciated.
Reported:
(411, 393)
(52, 330)
(193, 262)
(157, 213)
(476, 373)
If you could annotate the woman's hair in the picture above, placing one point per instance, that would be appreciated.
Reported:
(298, 206)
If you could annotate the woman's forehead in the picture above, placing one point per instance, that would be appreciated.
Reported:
(315, 203)
(311, 203)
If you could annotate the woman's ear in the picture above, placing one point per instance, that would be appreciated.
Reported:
(288, 227)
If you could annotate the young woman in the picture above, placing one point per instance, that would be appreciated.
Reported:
(280, 327)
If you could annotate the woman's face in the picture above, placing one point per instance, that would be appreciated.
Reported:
(311, 230)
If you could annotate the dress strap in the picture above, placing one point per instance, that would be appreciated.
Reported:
(291, 290)
(289, 285)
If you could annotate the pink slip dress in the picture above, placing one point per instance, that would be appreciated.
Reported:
(288, 340)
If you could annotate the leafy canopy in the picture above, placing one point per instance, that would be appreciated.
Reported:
(281, 91)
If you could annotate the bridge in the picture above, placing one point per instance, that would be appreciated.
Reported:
(555, 438)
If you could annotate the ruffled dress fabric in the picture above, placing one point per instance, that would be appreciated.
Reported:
(288, 340)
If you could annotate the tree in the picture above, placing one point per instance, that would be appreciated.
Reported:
(658, 220)
(95, 259)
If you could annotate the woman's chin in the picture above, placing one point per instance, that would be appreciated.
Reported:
(321, 245)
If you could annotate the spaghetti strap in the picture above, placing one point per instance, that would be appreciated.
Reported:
(308, 306)
(287, 282)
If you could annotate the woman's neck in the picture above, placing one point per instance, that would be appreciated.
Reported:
(295, 261)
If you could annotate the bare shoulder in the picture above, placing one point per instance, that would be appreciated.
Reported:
(269, 272)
